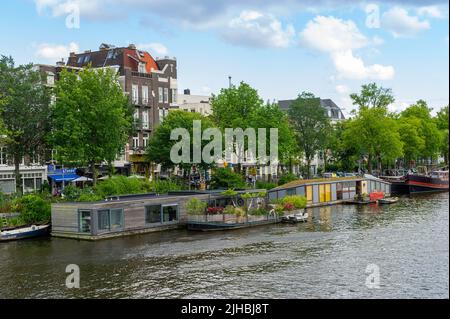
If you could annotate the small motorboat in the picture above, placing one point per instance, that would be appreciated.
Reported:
(295, 218)
(388, 200)
(24, 232)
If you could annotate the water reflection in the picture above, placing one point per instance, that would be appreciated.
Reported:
(322, 258)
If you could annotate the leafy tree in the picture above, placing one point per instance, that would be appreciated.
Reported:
(342, 156)
(226, 178)
(311, 125)
(426, 127)
(24, 109)
(413, 142)
(241, 107)
(442, 124)
(373, 95)
(160, 144)
(92, 118)
(374, 134)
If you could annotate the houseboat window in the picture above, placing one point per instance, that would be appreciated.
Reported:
(153, 214)
(290, 191)
(103, 220)
(84, 218)
(170, 213)
(116, 218)
(309, 193)
(339, 191)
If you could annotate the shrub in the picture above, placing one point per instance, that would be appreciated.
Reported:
(33, 209)
(195, 206)
(226, 178)
(296, 201)
(265, 185)
(71, 193)
(86, 197)
(258, 212)
(286, 178)
(229, 192)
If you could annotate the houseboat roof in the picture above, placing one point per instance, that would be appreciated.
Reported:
(301, 182)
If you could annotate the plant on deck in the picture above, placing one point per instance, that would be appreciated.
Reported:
(195, 206)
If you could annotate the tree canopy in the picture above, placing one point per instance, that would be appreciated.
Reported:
(372, 95)
(310, 123)
(92, 118)
(24, 108)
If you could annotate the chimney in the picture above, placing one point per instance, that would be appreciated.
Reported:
(132, 46)
(61, 63)
(187, 92)
(72, 54)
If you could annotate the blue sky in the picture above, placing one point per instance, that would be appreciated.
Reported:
(280, 47)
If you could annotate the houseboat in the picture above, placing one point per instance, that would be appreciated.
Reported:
(329, 191)
(128, 214)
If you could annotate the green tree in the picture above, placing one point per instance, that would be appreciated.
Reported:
(442, 124)
(241, 107)
(24, 112)
(413, 142)
(426, 127)
(373, 134)
(372, 95)
(342, 157)
(92, 118)
(160, 144)
(226, 178)
(310, 124)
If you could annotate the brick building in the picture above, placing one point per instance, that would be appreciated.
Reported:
(151, 84)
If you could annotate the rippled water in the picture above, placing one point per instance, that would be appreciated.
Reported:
(324, 258)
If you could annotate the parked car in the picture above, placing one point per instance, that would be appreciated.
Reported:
(349, 174)
(329, 175)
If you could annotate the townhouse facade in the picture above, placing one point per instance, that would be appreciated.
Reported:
(151, 84)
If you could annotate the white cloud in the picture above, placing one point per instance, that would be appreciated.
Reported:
(430, 11)
(339, 38)
(255, 29)
(54, 52)
(342, 89)
(155, 47)
(398, 21)
(351, 67)
(329, 34)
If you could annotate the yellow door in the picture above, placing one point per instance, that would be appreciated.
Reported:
(309, 193)
(328, 192)
(322, 192)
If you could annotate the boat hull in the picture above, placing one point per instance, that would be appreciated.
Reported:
(38, 232)
(425, 184)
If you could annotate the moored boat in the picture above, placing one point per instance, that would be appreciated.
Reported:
(295, 218)
(388, 200)
(24, 232)
(436, 181)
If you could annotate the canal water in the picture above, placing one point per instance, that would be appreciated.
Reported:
(406, 243)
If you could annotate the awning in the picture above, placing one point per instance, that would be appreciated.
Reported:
(65, 177)
(82, 179)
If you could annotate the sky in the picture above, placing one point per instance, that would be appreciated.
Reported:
(280, 47)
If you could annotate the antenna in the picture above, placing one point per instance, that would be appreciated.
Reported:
(229, 81)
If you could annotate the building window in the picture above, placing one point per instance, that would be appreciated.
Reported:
(135, 93)
(135, 141)
(145, 140)
(50, 78)
(145, 119)
(80, 59)
(103, 220)
(153, 214)
(160, 95)
(174, 95)
(170, 213)
(145, 94)
(84, 221)
(3, 156)
(166, 95)
(161, 115)
(87, 58)
(141, 68)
